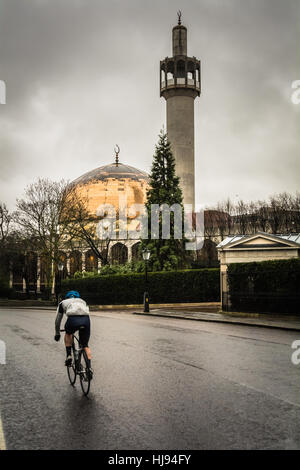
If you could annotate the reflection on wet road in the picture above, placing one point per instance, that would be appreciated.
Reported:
(159, 384)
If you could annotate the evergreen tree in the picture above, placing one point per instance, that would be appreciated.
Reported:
(164, 189)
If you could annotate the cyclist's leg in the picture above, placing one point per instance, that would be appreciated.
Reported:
(88, 352)
(68, 340)
(70, 329)
(84, 336)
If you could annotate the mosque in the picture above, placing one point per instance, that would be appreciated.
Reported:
(179, 85)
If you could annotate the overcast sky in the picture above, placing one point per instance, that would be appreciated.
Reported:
(83, 75)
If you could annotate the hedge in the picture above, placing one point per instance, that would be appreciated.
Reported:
(197, 285)
(266, 286)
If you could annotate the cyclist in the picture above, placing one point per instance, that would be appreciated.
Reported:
(77, 312)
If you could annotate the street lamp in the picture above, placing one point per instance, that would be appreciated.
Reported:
(60, 268)
(146, 257)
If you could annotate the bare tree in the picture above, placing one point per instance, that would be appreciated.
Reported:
(242, 217)
(275, 214)
(253, 217)
(13, 247)
(38, 216)
(229, 211)
(295, 208)
(221, 217)
(5, 224)
(5, 233)
(210, 225)
(81, 226)
(263, 216)
(281, 213)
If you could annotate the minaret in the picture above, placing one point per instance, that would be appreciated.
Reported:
(180, 85)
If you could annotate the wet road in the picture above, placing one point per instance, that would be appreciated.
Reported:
(159, 384)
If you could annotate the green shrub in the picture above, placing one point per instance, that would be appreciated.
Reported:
(267, 286)
(201, 285)
(131, 267)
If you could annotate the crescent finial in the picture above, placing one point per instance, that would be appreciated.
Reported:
(179, 16)
(117, 151)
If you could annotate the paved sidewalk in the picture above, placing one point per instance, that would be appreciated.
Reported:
(287, 322)
(197, 312)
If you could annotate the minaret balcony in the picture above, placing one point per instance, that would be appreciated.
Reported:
(180, 72)
(180, 83)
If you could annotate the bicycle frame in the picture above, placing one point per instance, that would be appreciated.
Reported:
(80, 348)
(83, 373)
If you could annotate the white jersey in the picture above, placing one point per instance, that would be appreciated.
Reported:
(74, 306)
(71, 307)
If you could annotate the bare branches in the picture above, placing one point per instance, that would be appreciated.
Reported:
(40, 210)
(38, 217)
(280, 214)
(5, 223)
(80, 225)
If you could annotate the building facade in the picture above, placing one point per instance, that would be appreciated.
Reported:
(249, 248)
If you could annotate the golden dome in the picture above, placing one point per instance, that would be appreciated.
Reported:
(105, 184)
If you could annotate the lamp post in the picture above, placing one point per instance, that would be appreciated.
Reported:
(146, 257)
(60, 267)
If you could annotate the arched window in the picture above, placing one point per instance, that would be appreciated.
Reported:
(163, 75)
(75, 262)
(119, 253)
(18, 264)
(25, 268)
(135, 252)
(91, 261)
(198, 75)
(180, 73)
(191, 72)
(170, 73)
(170, 67)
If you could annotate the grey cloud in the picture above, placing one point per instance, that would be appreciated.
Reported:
(82, 75)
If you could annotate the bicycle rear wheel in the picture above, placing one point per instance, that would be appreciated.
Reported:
(84, 375)
(72, 368)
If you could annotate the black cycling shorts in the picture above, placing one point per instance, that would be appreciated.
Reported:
(74, 323)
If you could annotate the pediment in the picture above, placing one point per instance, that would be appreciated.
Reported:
(261, 241)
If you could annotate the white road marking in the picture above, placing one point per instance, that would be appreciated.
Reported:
(2, 438)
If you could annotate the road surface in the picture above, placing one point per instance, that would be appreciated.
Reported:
(159, 384)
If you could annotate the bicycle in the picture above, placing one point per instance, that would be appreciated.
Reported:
(79, 367)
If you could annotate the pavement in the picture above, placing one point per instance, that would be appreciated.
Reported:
(159, 383)
(287, 322)
(206, 312)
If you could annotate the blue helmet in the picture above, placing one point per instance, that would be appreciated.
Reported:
(72, 294)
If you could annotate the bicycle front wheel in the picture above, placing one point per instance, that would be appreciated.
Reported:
(85, 380)
(72, 368)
